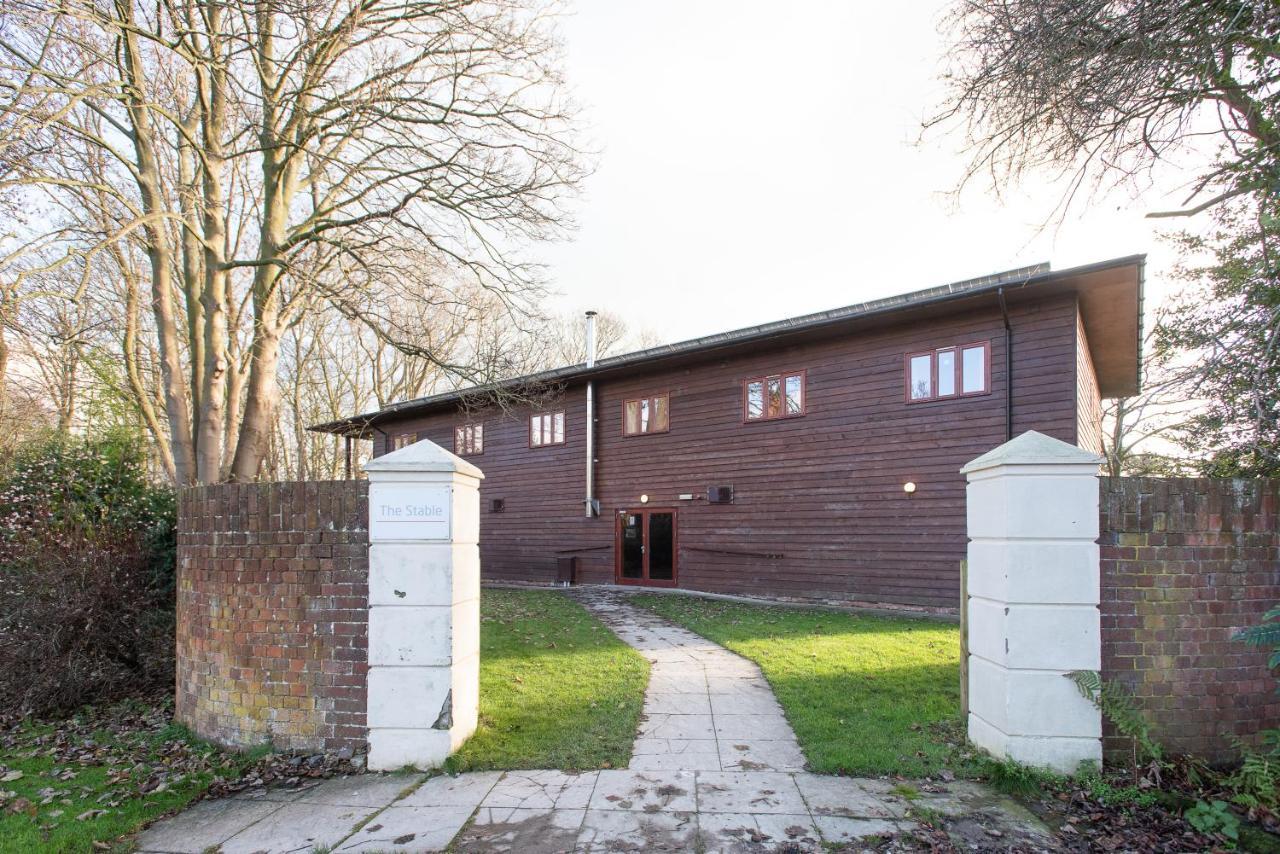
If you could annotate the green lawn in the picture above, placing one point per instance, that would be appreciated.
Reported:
(864, 694)
(557, 688)
(54, 804)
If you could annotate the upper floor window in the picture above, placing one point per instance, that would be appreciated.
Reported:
(646, 415)
(949, 372)
(468, 439)
(546, 428)
(403, 440)
(776, 396)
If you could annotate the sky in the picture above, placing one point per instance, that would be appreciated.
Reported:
(761, 160)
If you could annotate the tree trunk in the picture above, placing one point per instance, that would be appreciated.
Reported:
(160, 257)
(213, 392)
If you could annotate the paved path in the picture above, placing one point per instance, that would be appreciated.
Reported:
(716, 768)
(706, 709)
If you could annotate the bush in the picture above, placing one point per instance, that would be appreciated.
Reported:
(80, 620)
(86, 575)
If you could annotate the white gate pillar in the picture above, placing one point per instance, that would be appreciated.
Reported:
(424, 606)
(1033, 617)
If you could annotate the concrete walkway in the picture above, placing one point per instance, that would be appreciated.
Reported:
(716, 768)
(706, 709)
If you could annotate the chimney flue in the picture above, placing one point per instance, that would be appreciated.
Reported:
(590, 505)
(591, 339)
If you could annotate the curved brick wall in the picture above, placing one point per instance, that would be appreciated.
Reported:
(1187, 563)
(273, 614)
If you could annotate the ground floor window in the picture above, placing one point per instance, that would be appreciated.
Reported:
(403, 440)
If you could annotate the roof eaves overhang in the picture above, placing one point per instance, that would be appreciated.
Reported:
(1120, 363)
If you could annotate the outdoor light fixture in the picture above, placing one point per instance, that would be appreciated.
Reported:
(644, 499)
(909, 487)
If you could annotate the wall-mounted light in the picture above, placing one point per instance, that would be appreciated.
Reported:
(644, 499)
(909, 487)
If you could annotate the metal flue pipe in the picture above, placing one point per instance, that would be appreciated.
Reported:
(589, 503)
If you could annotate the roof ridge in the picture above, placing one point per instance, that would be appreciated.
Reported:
(1022, 274)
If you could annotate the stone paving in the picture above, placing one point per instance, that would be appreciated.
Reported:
(715, 768)
(706, 709)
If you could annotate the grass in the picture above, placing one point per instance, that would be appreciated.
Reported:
(865, 694)
(557, 688)
(74, 789)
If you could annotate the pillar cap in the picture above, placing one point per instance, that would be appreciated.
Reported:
(422, 456)
(1033, 449)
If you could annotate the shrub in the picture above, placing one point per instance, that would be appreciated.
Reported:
(86, 575)
(1214, 818)
(80, 620)
(97, 483)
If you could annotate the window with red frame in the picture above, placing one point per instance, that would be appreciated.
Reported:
(775, 396)
(403, 440)
(468, 439)
(958, 371)
(546, 428)
(646, 415)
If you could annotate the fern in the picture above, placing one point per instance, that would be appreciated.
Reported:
(1265, 634)
(1118, 706)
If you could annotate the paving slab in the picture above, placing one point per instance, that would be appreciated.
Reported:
(621, 830)
(298, 827)
(206, 825)
(364, 790)
(412, 830)
(542, 790)
(464, 790)
(677, 726)
(847, 797)
(842, 830)
(783, 755)
(749, 792)
(645, 791)
(743, 832)
(676, 703)
(523, 831)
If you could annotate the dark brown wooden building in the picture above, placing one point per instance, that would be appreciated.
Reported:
(816, 457)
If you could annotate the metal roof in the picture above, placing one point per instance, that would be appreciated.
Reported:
(358, 424)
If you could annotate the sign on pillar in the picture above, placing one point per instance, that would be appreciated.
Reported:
(424, 606)
(1033, 584)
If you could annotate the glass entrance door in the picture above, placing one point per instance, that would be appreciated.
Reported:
(646, 547)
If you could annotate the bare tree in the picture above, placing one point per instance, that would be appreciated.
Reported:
(1102, 91)
(243, 166)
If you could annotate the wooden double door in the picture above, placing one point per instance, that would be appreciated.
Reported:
(646, 548)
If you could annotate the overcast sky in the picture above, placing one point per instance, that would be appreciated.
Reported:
(760, 160)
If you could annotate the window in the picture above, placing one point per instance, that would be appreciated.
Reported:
(468, 439)
(403, 440)
(777, 396)
(646, 415)
(546, 428)
(948, 372)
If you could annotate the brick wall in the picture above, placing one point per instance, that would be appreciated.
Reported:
(1186, 563)
(273, 614)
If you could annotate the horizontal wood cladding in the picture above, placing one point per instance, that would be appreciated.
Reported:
(823, 490)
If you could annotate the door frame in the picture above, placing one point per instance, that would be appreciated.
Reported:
(644, 580)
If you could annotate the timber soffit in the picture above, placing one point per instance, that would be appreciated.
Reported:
(359, 425)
